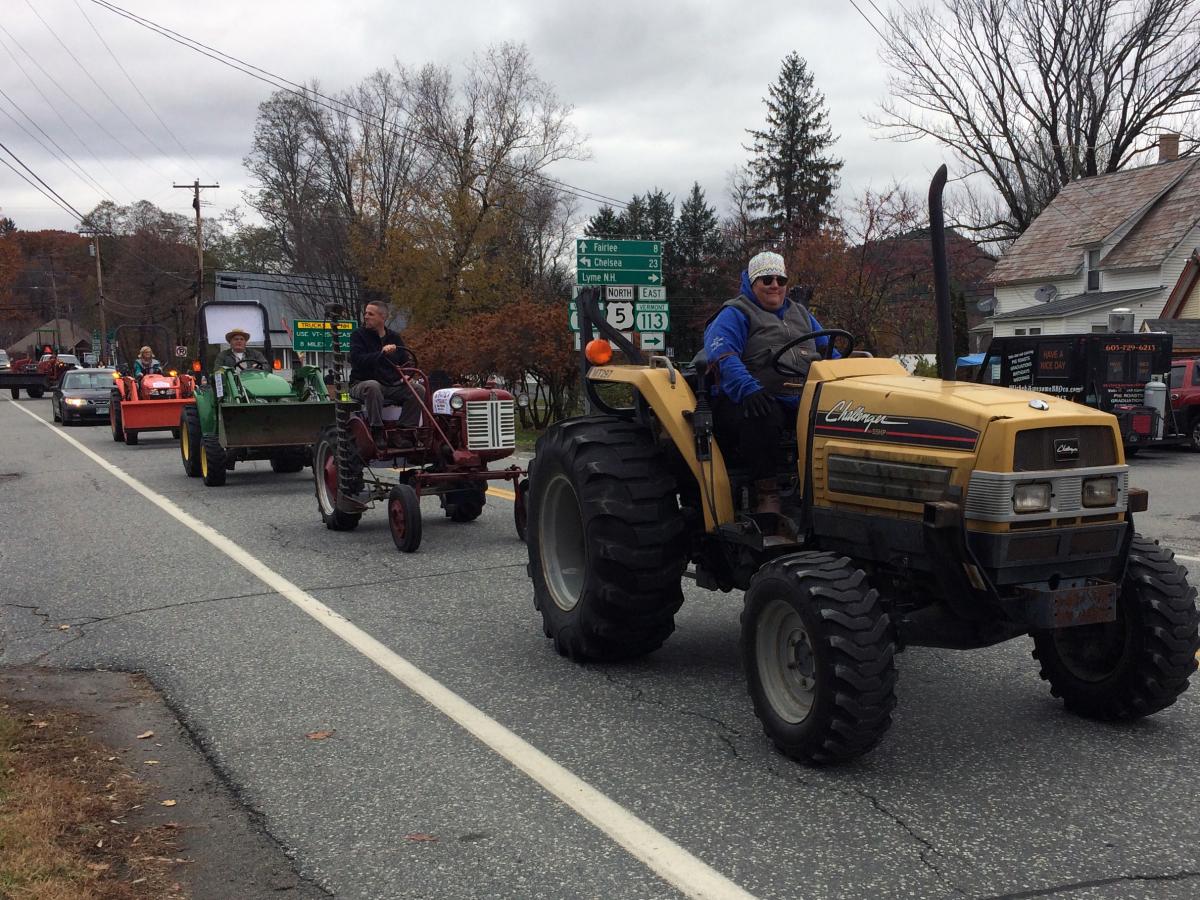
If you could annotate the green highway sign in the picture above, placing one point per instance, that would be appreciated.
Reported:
(654, 341)
(624, 276)
(593, 246)
(617, 263)
(316, 336)
(653, 320)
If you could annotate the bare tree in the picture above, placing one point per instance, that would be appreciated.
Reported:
(1032, 94)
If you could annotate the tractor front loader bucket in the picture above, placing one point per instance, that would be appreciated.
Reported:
(273, 424)
(151, 415)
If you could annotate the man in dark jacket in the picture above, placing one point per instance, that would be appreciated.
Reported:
(375, 351)
(752, 403)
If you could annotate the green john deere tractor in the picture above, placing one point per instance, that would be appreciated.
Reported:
(245, 411)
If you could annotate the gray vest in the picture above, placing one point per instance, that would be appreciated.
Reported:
(768, 332)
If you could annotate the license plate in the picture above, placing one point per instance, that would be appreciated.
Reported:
(101, 407)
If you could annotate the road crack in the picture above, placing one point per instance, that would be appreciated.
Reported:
(724, 732)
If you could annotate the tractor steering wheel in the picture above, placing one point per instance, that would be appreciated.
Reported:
(832, 333)
(245, 363)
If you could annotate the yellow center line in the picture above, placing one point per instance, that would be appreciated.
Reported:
(500, 492)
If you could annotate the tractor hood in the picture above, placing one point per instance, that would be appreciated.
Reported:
(875, 404)
(264, 385)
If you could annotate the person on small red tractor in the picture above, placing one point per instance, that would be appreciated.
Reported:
(146, 364)
(237, 353)
(375, 351)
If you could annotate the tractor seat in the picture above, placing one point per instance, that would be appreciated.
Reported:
(391, 413)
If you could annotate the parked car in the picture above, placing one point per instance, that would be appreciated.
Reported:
(83, 395)
(4, 363)
(1185, 398)
(69, 358)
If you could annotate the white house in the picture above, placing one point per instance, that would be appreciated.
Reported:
(1116, 240)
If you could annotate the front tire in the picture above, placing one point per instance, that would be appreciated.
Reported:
(15, 392)
(212, 461)
(1194, 435)
(336, 465)
(54, 413)
(1140, 663)
(819, 655)
(190, 438)
(607, 541)
(404, 518)
(131, 438)
(36, 392)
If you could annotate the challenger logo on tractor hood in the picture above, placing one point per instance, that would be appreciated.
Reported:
(842, 412)
(854, 422)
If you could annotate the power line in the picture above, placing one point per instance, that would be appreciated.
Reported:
(60, 116)
(133, 83)
(312, 95)
(35, 186)
(73, 210)
(78, 171)
(98, 85)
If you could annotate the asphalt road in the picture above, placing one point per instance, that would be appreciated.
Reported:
(984, 787)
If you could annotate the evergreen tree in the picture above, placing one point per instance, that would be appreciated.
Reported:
(697, 232)
(632, 220)
(794, 176)
(604, 224)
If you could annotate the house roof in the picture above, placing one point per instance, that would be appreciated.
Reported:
(1159, 201)
(1186, 333)
(1066, 306)
(71, 335)
(1183, 287)
(286, 297)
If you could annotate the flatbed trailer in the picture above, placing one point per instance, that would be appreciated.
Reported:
(32, 377)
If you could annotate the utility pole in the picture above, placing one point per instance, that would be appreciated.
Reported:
(103, 348)
(54, 294)
(196, 187)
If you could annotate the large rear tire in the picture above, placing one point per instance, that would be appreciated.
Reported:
(190, 438)
(36, 392)
(114, 420)
(1194, 435)
(15, 392)
(336, 465)
(607, 541)
(819, 654)
(1140, 663)
(212, 461)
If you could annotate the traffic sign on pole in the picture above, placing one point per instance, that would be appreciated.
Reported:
(612, 246)
(654, 340)
(624, 276)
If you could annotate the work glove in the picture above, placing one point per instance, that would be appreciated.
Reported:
(758, 405)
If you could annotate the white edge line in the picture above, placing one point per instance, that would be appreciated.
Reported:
(663, 856)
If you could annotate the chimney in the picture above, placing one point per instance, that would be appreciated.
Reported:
(1168, 147)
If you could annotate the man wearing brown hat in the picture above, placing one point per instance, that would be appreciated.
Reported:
(237, 352)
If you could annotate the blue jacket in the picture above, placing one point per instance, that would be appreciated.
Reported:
(724, 341)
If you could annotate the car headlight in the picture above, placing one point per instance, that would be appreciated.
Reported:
(457, 402)
(75, 401)
(1029, 498)
(522, 400)
(1100, 491)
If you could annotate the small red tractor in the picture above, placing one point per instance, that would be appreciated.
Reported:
(462, 431)
(151, 401)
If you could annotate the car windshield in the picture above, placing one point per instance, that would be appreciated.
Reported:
(83, 381)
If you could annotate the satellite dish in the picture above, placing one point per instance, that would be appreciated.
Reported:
(986, 305)
(1045, 294)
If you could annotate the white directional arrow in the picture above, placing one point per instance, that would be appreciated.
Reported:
(583, 247)
(653, 340)
(652, 278)
(585, 260)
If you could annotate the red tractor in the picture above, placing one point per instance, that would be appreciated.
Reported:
(151, 400)
(462, 431)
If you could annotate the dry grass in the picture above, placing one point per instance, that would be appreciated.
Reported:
(65, 802)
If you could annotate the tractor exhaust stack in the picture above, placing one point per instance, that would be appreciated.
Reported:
(941, 278)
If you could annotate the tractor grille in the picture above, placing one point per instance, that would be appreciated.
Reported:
(1082, 447)
(491, 425)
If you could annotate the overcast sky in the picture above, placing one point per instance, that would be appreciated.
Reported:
(664, 91)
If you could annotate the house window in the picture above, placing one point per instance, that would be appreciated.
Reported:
(1035, 331)
(1018, 331)
(1099, 329)
(1093, 270)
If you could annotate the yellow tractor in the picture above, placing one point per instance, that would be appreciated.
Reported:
(916, 511)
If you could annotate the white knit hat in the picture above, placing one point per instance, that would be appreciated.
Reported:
(765, 263)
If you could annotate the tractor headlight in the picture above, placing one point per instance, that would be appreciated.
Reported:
(457, 402)
(522, 400)
(1030, 498)
(75, 401)
(1100, 491)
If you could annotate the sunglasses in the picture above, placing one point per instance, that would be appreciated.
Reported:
(771, 279)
